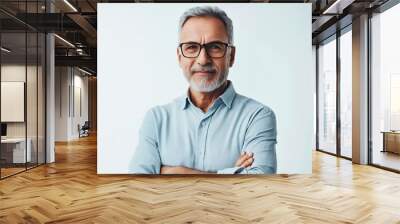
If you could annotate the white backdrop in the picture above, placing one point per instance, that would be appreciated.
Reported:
(273, 65)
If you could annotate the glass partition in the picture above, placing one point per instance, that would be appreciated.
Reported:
(22, 77)
(13, 109)
(32, 95)
(41, 107)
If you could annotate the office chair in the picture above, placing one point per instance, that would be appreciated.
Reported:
(84, 130)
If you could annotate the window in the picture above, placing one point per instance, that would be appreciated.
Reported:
(385, 89)
(327, 96)
(346, 94)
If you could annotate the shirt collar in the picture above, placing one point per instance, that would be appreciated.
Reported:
(227, 97)
(185, 100)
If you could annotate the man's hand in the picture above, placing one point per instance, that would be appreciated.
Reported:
(245, 160)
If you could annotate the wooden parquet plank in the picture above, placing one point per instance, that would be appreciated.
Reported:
(70, 191)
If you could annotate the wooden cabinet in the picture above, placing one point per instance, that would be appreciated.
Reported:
(391, 142)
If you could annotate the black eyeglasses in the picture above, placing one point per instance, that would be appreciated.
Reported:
(214, 49)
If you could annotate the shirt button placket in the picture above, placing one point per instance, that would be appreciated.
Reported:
(201, 142)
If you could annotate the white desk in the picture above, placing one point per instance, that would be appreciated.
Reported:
(18, 145)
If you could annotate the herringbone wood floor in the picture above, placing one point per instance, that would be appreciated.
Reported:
(70, 191)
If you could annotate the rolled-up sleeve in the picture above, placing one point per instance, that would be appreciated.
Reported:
(146, 159)
(260, 139)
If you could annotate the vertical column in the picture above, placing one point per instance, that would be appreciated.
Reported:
(50, 92)
(360, 90)
(338, 91)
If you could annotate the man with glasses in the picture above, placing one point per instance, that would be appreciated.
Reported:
(211, 129)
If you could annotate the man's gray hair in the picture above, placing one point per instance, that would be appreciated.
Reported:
(208, 11)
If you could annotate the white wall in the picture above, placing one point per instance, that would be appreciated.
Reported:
(79, 117)
(273, 65)
(12, 100)
(33, 127)
(16, 72)
(67, 84)
(61, 103)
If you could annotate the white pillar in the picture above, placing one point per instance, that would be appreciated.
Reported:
(50, 92)
(360, 90)
(50, 110)
(50, 100)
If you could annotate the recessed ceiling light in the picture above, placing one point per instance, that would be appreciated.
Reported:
(84, 71)
(5, 50)
(70, 5)
(337, 7)
(65, 41)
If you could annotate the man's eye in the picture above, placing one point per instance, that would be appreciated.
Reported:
(215, 47)
(191, 47)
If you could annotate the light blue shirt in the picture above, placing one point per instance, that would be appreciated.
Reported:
(180, 134)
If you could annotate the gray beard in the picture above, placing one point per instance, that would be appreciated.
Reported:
(203, 86)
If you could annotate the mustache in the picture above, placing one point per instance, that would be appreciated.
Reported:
(206, 68)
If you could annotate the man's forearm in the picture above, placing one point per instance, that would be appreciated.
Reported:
(180, 170)
(245, 160)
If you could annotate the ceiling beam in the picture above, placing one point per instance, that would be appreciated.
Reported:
(84, 24)
(85, 61)
(337, 6)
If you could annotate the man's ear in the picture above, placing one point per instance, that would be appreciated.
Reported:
(232, 56)
(179, 56)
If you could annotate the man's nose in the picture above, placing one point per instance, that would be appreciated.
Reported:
(203, 57)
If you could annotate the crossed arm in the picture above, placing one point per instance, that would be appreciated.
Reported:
(244, 160)
(260, 140)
